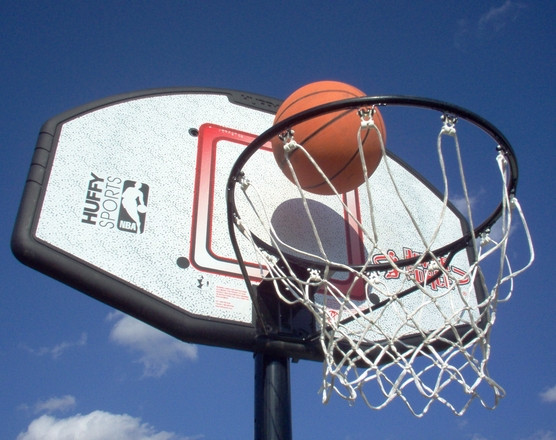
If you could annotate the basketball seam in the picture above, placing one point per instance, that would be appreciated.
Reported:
(353, 95)
(314, 133)
(323, 127)
(340, 170)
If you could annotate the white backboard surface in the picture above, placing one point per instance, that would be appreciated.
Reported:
(126, 201)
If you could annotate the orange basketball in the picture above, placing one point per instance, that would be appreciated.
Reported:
(331, 140)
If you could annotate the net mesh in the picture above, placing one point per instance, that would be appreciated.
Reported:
(415, 329)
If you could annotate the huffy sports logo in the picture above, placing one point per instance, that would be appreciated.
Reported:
(112, 202)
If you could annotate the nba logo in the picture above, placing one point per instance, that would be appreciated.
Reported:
(133, 207)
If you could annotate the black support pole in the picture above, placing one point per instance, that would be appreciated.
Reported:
(272, 398)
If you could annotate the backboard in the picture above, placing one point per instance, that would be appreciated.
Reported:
(126, 201)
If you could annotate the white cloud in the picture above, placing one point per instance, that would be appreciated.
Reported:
(56, 351)
(542, 435)
(492, 22)
(460, 204)
(497, 18)
(98, 425)
(462, 423)
(157, 350)
(549, 395)
(53, 404)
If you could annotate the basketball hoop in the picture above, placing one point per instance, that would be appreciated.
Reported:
(407, 309)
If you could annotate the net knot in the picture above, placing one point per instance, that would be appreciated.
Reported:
(514, 202)
(366, 115)
(244, 182)
(240, 225)
(289, 142)
(373, 278)
(433, 266)
(290, 146)
(485, 238)
(449, 126)
(314, 276)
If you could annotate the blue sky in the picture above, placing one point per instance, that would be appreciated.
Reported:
(68, 361)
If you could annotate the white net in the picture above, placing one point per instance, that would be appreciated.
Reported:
(405, 322)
